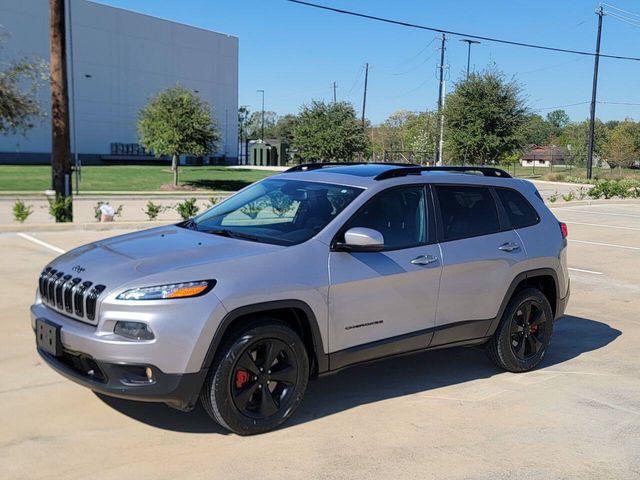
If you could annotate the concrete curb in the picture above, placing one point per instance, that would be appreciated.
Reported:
(573, 203)
(96, 226)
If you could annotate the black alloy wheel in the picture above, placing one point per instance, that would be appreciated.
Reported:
(524, 332)
(528, 330)
(264, 378)
(258, 377)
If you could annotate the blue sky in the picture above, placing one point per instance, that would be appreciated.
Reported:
(295, 53)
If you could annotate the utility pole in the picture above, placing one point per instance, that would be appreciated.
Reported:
(469, 42)
(60, 141)
(364, 98)
(262, 125)
(594, 95)
(438, 159)
(334, 92)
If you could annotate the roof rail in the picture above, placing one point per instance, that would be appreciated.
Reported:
(415, 170)
(305, 167)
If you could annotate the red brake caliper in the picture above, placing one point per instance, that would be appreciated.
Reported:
(242, 377)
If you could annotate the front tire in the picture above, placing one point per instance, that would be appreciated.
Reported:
(523, 336)
(258, 378)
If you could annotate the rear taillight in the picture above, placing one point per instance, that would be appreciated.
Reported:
(563, 229)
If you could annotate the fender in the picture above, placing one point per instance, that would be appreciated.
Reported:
(514, 284)
(321, 357)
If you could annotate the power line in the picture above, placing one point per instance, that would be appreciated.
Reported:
(635, 23)
(621, 10)
(460, 34)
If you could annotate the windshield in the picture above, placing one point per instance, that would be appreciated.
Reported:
(282, 212)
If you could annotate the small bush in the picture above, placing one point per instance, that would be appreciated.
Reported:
(212, 202)
(627, 187)
(553, 197)
(582, 193)
(187, 209)
(152, 210)
(97, 212)
(569, 196)
(555, 177)
(61, 208)
(21, 211)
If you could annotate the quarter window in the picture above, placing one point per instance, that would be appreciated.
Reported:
(520, 212)
(399, 214)
(467, 211)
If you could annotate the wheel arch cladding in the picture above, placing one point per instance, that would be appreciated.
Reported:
(294, 313)
(544, 279)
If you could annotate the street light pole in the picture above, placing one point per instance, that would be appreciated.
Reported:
(262, 126)
(469, 42)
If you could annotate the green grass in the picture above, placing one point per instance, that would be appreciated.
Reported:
(133, 178)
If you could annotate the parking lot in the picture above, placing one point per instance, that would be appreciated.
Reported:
(440, 414)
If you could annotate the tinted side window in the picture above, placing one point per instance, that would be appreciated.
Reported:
(519, 210)
(467, 211)
(399, 214)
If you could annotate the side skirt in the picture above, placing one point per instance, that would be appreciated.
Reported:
(465, 333)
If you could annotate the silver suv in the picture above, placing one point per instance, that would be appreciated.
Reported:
(302, 274)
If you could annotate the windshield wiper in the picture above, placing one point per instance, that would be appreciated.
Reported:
(190, 224)
(231, 234)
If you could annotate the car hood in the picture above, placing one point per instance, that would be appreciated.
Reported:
(124, 258)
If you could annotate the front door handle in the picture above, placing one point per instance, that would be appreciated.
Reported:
(509, 247)
(424, 260)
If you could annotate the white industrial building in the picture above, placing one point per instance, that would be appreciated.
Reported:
(117, 60)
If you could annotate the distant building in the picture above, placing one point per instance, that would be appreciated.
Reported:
(268, 153)
(538, 156)
(116, 61)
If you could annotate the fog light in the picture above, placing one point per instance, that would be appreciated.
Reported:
(134, 330)
(149, 373)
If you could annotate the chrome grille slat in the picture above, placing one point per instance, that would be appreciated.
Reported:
(69, 295)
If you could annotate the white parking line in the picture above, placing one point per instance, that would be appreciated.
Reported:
(584, 271)
(627, 247)
(40, 242)
(604, 226)
(601, 213)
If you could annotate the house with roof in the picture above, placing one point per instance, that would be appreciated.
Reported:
(538, 156)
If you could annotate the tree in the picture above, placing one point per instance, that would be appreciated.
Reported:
(484, 118)
(329, 132)
(621, 149)
(558, 119)
(254, 124)
(283, 129)
(537, 130)
(177, 122)
(20, 81)
(574, 138)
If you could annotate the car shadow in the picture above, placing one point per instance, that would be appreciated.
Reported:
(385, 379)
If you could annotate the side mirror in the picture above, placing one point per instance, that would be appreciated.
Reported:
(360, 239)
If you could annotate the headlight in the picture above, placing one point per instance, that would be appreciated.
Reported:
(173, 290)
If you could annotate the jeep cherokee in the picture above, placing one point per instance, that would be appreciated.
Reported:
(301, 274)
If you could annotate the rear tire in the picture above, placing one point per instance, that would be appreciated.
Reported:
(258, 378)
(524, 333)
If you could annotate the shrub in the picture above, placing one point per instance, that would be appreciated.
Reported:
(61, 208)
(212, 202)
(152, 210)
(583, 192)
(555, 177)
(569, 196)
(627, 187)
(97, 212)
(187, 209)
(21, 211)
(553, 197)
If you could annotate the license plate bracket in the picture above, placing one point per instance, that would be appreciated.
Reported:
(48, 337)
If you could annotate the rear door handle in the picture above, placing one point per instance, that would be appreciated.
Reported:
(509, 247)
(424, 260)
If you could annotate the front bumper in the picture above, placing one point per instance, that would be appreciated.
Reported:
(128, 381)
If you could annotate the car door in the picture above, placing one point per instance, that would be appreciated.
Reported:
(384, 302)
(480, 254)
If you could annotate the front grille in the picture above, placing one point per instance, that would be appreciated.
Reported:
(69, 295)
